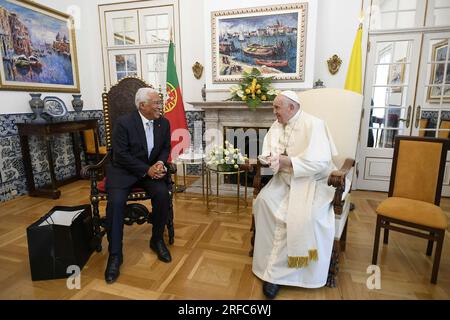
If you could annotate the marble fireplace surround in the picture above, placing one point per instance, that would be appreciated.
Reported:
(223, 114)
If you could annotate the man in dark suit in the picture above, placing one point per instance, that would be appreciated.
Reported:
(140, 149)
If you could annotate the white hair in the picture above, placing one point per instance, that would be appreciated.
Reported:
(142, 95)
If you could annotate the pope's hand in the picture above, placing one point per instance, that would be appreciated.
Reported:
(285, 162)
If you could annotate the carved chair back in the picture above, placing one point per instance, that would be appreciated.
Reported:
(119, 100)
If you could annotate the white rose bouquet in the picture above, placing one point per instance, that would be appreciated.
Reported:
(225, 158)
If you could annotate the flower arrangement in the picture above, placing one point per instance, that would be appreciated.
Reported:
(253, 89)
(226, 159)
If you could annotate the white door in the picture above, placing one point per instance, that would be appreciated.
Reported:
(432, 107)
(390, 87)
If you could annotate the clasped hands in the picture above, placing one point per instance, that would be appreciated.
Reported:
(278, 162)
(157, 171)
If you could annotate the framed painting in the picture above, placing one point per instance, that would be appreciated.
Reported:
(397, 75)
(37, 48)
(271, 39)
(440, 65)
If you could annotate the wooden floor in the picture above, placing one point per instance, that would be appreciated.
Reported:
(210, 258)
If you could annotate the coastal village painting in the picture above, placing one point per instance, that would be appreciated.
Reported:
(271, 39)
(37, 48)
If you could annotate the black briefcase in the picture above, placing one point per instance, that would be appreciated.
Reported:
(63, 237)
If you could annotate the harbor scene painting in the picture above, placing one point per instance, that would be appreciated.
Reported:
(37, 48)
(270, 39)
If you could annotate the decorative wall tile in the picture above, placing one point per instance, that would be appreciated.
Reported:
(12, 173)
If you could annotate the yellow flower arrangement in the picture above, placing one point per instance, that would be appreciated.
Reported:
(253, 89)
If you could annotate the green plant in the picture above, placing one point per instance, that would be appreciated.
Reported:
(253, 89)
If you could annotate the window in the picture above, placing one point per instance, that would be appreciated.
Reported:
(135, 40)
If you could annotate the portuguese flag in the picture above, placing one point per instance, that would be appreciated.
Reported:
(174, 108)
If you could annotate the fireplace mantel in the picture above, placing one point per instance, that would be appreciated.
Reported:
(226, 114)
(235, 105)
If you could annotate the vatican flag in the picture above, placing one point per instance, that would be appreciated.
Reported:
(353, 81)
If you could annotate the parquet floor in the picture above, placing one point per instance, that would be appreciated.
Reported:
(210, 257)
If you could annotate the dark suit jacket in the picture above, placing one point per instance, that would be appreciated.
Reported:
(129, 161)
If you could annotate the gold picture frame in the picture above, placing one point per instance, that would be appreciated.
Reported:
(37, 48)
(271, 39)
(439, 52)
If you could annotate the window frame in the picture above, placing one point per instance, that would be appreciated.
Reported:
(137, 9)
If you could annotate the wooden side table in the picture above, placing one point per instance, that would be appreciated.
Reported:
(47, 131)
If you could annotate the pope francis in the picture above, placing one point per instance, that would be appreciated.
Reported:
(293, 214)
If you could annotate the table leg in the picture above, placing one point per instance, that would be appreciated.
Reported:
(245, 193)
(27, 164)
(184, 175)
(208, 179)
(238, 185)
(76, 153)
(56, 193)
(217, 189)
(203, 179)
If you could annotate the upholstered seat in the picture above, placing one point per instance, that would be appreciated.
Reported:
(414, 211)
(89, 141)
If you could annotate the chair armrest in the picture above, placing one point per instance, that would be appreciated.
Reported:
(171, 168)
(337, 180)
(90, 171)
(257, 183)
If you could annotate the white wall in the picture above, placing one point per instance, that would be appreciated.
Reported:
(337, 21)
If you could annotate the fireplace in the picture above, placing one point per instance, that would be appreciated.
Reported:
(235, 122)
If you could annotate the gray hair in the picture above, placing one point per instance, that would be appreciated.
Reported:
(142, 95)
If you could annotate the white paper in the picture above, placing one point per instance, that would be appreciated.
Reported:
(63, 218)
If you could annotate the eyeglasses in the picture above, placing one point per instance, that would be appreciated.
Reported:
(158, 102)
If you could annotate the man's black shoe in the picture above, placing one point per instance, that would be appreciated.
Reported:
(112, 271)
(270, 289)
(161, 250)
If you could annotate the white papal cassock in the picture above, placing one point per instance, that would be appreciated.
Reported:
(293, 213)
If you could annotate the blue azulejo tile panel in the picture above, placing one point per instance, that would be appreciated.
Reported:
(12, 174)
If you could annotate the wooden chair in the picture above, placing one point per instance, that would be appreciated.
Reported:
(90, 146)
(412, 206)
(341, 110)
(119, 100)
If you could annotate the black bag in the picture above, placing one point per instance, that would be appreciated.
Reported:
(58, 240)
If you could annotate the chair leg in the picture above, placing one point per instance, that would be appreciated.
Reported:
(170, 227)
(96, 221)
(376, 242)
(437, 255)
(252, 241)
(430, 245)
(386, 234)
(343, 240)
(334, 265)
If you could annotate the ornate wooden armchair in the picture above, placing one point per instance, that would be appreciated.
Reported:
(120, 99)
(341, 110)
